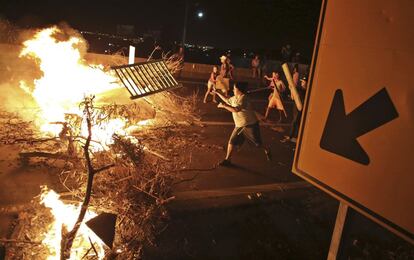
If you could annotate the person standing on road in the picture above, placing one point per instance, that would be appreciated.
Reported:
(245, 120)
(286, 53)
(211, 85)
(298, 114)
(223, 80)
(295, 75)
(231, 67)
(275, 100)
(296, 58)
(256, 67)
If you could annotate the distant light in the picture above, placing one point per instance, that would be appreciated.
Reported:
(200, 14)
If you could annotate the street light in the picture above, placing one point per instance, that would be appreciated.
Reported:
(200, 14)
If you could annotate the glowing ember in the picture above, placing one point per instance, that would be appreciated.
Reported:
(66, 80)
(66, 215)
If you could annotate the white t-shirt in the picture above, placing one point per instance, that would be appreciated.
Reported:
(246, 115)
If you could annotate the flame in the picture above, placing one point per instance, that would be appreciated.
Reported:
(66, 80)
(104, 132)
(67, 215)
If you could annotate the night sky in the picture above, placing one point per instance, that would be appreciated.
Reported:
(262, 24)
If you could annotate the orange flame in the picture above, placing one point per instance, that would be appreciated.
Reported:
(66, 80)
(66, 215)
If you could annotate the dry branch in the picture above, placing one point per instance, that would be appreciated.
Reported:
(4, 240)
(68, 238)
(146, 149)
(25, 155)
(131, 165)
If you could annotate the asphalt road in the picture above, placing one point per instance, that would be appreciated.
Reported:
(255, 210)
(250, 165)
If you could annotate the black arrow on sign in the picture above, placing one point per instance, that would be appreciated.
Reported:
(341, 130)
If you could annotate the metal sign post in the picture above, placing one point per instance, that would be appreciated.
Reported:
(337, 232)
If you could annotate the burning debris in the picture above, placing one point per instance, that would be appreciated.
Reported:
(108, 154)
(64, 216)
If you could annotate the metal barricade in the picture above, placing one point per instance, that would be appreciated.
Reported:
(146, 78)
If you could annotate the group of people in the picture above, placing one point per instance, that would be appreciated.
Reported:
(286, 55)
(280, 93)
(220, 79)
(245, 119)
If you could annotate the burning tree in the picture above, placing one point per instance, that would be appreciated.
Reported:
(68, 238)
(124, 140)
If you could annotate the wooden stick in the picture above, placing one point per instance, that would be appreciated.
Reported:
(5, 240)
(156, 154)
(87, 252)
(104, 168)
(149, 194)
(168, 200)
(124, 179)
(46, 155)
(93, 247)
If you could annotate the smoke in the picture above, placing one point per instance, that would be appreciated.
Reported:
(13, 70)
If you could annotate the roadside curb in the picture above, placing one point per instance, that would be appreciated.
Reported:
(221, 123)
(237, 196)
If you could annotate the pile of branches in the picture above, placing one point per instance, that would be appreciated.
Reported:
(174, 108)
(14, 129)
(175, 62)
(131, 179)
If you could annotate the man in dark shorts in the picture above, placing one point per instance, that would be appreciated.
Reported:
(298, 114)
(245, 120)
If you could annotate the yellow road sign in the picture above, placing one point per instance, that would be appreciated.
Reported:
(356, 138)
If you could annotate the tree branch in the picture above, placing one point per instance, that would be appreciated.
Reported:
(4, 240)
(104, 168)
(68, 238)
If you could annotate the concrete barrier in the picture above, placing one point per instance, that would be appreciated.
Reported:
(190, 70)
(199, 71)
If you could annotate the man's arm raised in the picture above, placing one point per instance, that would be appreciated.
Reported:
(221, 96)
(228, 107)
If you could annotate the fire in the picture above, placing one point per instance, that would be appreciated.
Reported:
(66, 80)
(66, 215)
(104, 132)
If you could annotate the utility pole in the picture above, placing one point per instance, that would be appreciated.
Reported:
(187, 4)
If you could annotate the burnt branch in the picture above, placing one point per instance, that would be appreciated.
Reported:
(104, 168)
(68, 238)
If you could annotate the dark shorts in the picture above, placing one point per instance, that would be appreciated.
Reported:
(251, 132)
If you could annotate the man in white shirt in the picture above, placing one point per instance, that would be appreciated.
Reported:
(245, 120)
